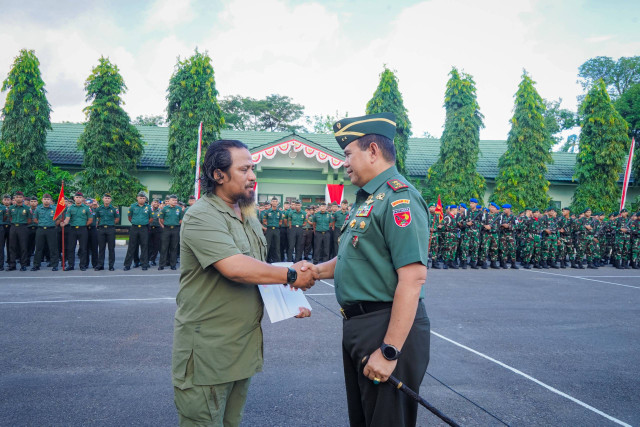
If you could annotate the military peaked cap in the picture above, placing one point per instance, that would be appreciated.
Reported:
(349, 129)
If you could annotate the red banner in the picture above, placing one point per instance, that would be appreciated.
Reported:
(334, 193)
(439, 211)
(60, 204)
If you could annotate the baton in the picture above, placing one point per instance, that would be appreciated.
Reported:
(415, 396)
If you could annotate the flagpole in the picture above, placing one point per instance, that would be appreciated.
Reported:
(196, 191)
(627, 174)
(63, 251)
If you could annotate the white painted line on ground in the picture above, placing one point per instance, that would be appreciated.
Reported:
(88, 276)
(529, 377)
(619, 277)
(584, 278)
(326, 283)
(317, 295)
(88, 300)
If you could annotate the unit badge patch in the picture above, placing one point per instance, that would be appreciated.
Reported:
(354, 242)
(402, 217)
(364, 210)
(400, 201)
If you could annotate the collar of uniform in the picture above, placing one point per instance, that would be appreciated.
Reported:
(219, 204)
(371, 186)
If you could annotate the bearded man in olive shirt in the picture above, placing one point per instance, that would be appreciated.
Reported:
(217, 342)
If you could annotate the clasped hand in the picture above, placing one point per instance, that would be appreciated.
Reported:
(307, 275)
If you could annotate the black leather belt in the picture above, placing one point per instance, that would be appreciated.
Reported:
(107, 226)
(296, 226)
(353, 310)
(321, 232)
(17, 225)
(273, 228)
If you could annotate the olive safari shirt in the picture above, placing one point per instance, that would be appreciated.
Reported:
(387, 228)
(171, 215)
(19, 214)
(79, 215)
(44, 215)
(217, 322)
(107, 215)
(139, 215)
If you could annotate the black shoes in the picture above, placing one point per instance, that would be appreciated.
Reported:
(153, 263)
(127, 268)
(35, 268)
(98, 268)
(160, 268)
(111, 269)
(145, 268)
(136, 265)
(54, 269)
(70, 269)
(23, 268)
(83, 268)
(174, 267)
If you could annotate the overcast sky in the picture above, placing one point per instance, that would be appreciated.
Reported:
(326, 55)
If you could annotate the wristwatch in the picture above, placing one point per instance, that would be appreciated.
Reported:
(390, 352)
(292, 276)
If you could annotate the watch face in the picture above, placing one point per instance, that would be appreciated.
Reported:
(390, 352)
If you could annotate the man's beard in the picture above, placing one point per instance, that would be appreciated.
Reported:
(247, 204)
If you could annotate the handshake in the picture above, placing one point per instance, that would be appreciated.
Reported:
(307, 275)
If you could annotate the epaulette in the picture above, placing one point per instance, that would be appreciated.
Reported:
(396, 184)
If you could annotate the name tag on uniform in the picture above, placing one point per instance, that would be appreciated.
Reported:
(364, 210)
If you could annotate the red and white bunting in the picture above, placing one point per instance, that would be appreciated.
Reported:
(297, 146)
(627, 174)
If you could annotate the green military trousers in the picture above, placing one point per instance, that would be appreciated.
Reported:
(218, 405)
(383, 405)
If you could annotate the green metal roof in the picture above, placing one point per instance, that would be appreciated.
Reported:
(423, 152)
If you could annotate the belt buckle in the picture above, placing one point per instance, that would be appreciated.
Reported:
(44, 228)
(17, 225)
(77, 226)
(139, 226)
(172, 226)
(344, 315)
(104, 226)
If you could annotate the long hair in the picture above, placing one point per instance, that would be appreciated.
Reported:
(218, 156)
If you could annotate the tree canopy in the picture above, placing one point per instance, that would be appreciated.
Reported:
(112, 146)
(603, 146)
(618, 76)
(192, 98)
(522, 168)
(150, 120)
(274, 113)
(387, 98)
(454, 176)
(25, 121)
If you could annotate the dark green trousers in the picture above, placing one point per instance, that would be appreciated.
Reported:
(77, 235)
(138, 236)
(321, 242)
(169, 245)
(273, 244)
(46, 236)
(106, 239)
(296, 243)
(383, 405)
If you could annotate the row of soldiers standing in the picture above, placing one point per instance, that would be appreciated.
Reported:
(28, 229)
(298, 234)
(540, 239)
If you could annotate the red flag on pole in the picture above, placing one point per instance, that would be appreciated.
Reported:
(439, 211)
(60, 204)
(196, 191)
(627, 174)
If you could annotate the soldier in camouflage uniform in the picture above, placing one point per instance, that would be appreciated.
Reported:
(434, 236)
(622, 240)
(508, 225)
(490, 245)
(585, 231)
(606, 245)
(475, 216)
(531, 247)
(634, 226)
(463, 241)
(450, 237)
(599, 238)
(550, 239)
(565, 242)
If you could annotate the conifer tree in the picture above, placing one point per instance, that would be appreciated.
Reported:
(522, 168)
(387, 98)
(112, 146)
(604, 144)
(192, 98)
(453, 176)
(25, 121)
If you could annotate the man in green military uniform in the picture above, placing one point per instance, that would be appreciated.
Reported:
(296, 219)
(140, 218)
(217, 341)
(507, 224)
(170, 220)
(489, 231)
(339, 217)
(19, 216)
(308, 233)
(379, 286)
(78, 217)
(622, 240)
(322, 221)
(284, 231)
(46, 234)
(155, 232)
(107, 216)
(434, 242)
(272, 219)
(4, 229)
(450, 237)
(565, 240)
(32, 202)
(549, 239)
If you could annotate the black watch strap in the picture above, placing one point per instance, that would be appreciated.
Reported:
(292, 276)
(390, 352)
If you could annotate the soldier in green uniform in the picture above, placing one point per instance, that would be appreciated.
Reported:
(4, 229)
(489, 231)
(77, 217)
(379, 286)
(272, 219)
(634, 227)
(284, 231)
(140, 218)
(296, 219)
(507, 226)
(585, 234)
(549, 239)
(450, 237)
(322, 221)
(565, 241)
(32, 202)
(155, 232)
(308, 233)
(46, 235)
(622, 240)
(107, 216)
(217, 342)
(19, 216)
(434, 243)
(170, 220)
(339, 217)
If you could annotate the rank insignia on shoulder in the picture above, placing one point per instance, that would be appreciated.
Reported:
(364, 210)
(380, 196)
(400, 201)
(354, 242)
(402, 217)
(352, 223)
(396, 184)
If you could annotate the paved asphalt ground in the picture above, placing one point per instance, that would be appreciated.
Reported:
(537, 347)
